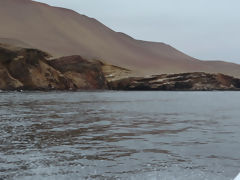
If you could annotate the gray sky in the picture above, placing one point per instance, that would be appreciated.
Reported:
(205, 29)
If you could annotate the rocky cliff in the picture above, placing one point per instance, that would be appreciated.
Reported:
(32, 69)
(197, 81)
(84, 74)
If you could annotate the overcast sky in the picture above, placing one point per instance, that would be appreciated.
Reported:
(205, 29)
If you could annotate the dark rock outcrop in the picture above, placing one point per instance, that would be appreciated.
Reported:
(197, 81)
(83, 73)
(30, 69)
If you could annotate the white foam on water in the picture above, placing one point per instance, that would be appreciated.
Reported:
(238, 177)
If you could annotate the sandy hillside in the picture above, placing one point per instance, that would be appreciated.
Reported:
(63, 32)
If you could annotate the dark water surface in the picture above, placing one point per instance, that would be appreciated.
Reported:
(120, 135)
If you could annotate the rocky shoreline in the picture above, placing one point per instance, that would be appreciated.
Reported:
(197, 81)
(32, 69)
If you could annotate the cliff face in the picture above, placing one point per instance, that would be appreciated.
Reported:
(83, 74)
(29, 69)
(197, 81)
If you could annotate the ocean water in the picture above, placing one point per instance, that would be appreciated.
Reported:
(119, 135)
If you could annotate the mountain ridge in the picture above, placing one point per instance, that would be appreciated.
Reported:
(64, 32)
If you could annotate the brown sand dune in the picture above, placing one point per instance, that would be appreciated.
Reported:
(63, 32)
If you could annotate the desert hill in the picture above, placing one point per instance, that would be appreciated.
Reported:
(63, 32)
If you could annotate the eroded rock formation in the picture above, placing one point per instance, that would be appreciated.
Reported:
(184, 81)
(83, 74)
(30, 69)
